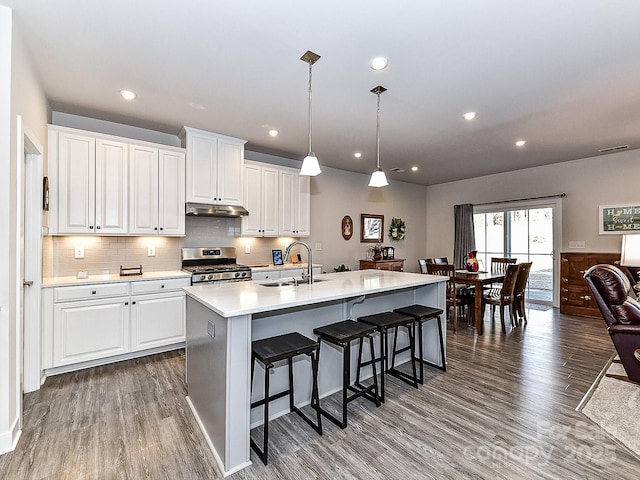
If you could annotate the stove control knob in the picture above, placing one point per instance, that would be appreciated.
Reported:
(237, 274)
(244, 274)
(203, 277)
(210, 277)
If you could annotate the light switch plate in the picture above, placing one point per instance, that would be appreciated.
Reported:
(78, 252)
(576, 244)
(151, 251)
(318, 246)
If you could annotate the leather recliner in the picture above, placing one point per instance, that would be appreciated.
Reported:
(621, 312)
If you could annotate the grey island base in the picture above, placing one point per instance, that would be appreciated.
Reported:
(222, 320)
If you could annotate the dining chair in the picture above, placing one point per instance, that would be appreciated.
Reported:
(499, 267)
(503, 297)
(422, 263)
(520, 288)
(438, 260)
(454, 299)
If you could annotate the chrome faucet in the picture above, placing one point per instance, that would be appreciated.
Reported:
(309, 276)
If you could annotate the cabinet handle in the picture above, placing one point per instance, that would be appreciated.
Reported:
(133, 303)
(564, 299)
(565, 280)
(126, 303)
(565, 259)
(161, 228)
(98, 227)
(585, 297)
(155, 228)
(93, 292)
(565, 289)
(161, 286)
(90, 227)
(582, 271)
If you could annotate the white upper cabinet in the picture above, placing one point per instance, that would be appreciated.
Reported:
(261, 200)
(91, 184)
(105, 185)
(157, 191)
(294, 203)
(215, 167)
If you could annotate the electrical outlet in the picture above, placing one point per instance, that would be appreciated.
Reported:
(247, 248)
(151, 251)
(78, 252)
(576, 244)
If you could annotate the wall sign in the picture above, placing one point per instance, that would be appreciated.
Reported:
(618, 219)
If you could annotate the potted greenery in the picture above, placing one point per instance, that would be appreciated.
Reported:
(342, 268)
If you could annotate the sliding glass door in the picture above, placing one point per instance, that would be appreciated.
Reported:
(528, 231)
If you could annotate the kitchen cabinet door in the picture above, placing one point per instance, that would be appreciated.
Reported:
(143, 201)
(157, 320)
(90, 330)
(230, 172)
(171, 192)
(76, 183)
(261, 200)
(294, 203)
(111, 187)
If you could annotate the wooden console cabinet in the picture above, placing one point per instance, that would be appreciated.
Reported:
(396, 265)
(575, 295)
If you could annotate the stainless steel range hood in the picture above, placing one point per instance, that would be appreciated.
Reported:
(206, 210)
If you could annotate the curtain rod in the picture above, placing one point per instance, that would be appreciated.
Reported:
(560, 195)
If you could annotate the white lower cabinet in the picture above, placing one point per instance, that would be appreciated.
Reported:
(157, 320)
(93, 324)
(87, 330)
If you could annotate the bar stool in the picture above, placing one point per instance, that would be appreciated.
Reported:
(341, 334)
(384, 322)
(284, 347)
(420, 314)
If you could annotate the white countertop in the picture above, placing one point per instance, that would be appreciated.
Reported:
(111, 278)
(242, 298)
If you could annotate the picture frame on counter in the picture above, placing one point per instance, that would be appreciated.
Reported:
(277, 257)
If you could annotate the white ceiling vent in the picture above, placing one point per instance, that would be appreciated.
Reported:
(614, 149)
(398, 170)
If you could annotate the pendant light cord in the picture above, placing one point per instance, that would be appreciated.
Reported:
(378, 133)
(310, 99)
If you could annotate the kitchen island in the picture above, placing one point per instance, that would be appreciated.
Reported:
(222, 320)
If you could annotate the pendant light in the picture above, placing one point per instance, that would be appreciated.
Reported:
(378, 178)
(310, 166)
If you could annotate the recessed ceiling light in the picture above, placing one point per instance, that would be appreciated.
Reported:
(414, 169)
(470, 115)
(127, 94)
(273, 133)
(520, 143)
(379, 63)
(357, 155)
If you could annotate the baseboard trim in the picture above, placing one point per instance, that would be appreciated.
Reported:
(9, 439)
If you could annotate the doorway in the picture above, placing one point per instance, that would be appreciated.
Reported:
(526, 230)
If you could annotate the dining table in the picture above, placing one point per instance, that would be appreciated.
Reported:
(477, 280)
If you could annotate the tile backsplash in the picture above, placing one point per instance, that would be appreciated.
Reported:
(107, 254)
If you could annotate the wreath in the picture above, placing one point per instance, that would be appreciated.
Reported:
(397, 229)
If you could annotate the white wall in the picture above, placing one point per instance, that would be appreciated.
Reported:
(588, 183)
(20, 94)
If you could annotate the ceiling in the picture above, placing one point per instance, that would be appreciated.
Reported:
(564, 76)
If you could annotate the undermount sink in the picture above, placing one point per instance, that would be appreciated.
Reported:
(285, 283)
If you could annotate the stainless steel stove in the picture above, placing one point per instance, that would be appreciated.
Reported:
(210, 265)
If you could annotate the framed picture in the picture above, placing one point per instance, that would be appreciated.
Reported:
(618, 219)
(277, 257)
(371, 228)
(45, 194)
(347, 227)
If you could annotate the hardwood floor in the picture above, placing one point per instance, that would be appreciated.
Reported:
(504, 409)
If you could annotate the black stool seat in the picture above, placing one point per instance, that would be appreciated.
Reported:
(384, 322)
(271, 350)
(341, 334)
(422, 313)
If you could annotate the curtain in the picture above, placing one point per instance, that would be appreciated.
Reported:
(464, 238)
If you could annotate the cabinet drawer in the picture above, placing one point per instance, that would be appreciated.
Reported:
(87, 292)
(155, 286)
